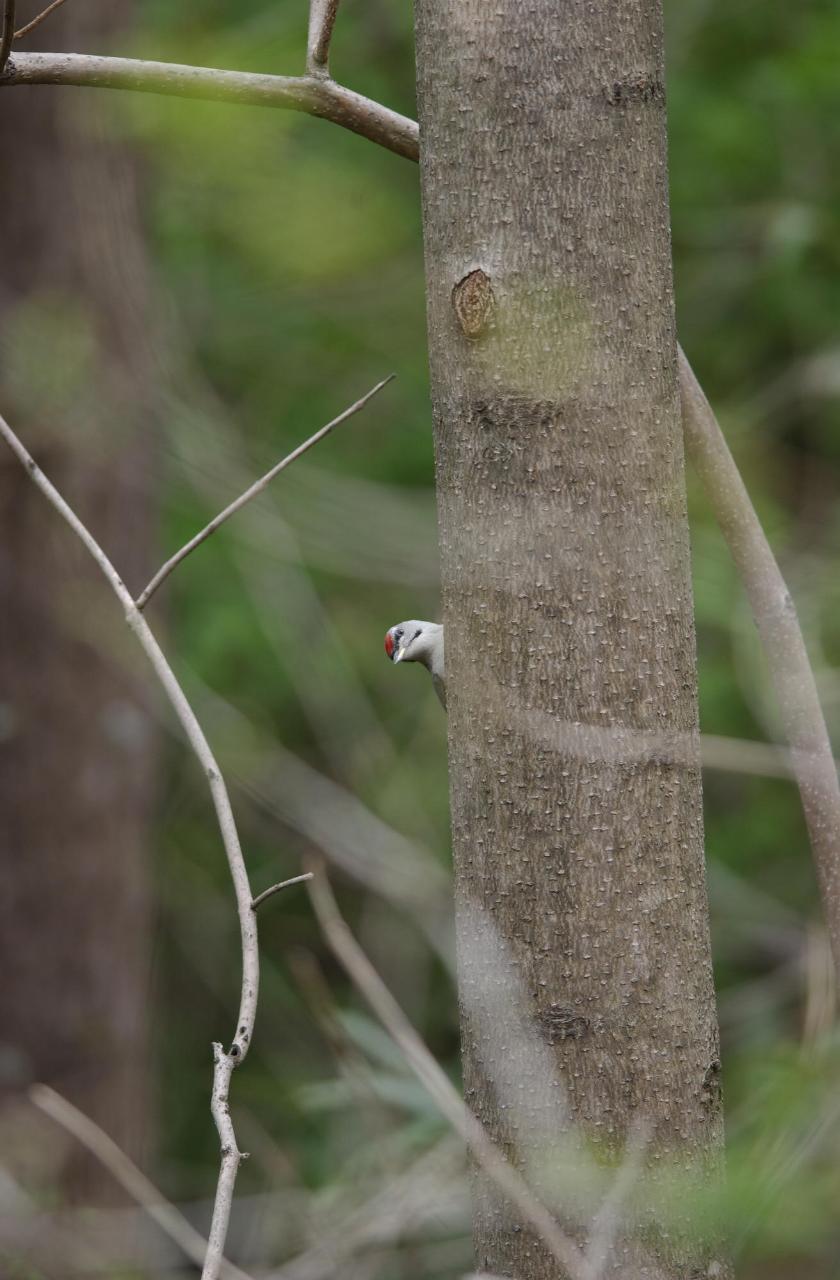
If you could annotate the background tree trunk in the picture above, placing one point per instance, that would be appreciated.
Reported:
(76, 782)
(571, 674)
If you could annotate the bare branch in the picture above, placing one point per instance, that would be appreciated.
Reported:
(321, 22)
(38, 19)
(256, 488)
(232, 1157)
(313, 95)
(781, 637)
(432, 1076)
(227, 826)
(7, 33)
(170, 1219)
(275, 888)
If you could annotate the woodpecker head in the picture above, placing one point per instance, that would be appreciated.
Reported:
(419, 642)
(412, 641)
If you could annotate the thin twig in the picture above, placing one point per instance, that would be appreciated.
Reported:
(321, 22)
(256, 488)
(169, 1218)
(781, 637)
(313, 95)
(432, 1076)
(225, 1062)
(275, 888)
(38, 19)
(7, 33)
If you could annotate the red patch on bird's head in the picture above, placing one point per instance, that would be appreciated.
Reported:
(389, 644)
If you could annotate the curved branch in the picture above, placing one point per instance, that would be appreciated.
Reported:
(314, 95)
(276, 888)
(225, 1062)
(781, 638)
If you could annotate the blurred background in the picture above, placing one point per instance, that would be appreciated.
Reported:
(186, 292)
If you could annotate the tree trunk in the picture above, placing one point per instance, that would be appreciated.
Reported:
(571, 671)
(76, 784)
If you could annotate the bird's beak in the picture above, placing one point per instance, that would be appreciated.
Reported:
(400, 654)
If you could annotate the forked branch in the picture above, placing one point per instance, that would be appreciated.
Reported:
(315, 95)
(225, 1062)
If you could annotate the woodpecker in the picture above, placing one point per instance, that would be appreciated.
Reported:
(419, 642)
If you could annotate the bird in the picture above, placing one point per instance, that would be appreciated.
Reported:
(415, 641)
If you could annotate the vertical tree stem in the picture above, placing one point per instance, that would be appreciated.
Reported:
(7, 32)
(566, 581)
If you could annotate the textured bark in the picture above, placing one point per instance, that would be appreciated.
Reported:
(567, 602)
(76, 746)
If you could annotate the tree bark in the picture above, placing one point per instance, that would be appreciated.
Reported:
(571, 667)
(77, 746)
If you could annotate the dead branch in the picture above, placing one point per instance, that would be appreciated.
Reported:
(255, 489)
(275, 888)
(38, 19)
(232, 1157)
(169, 1218)
(432, 1076)
(314, 95)
(781, 638)
(225, 1061)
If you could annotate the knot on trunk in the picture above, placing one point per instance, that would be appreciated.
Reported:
(474, 303)
(560, 1023)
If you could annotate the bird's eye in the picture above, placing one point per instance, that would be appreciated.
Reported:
(398, 635)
